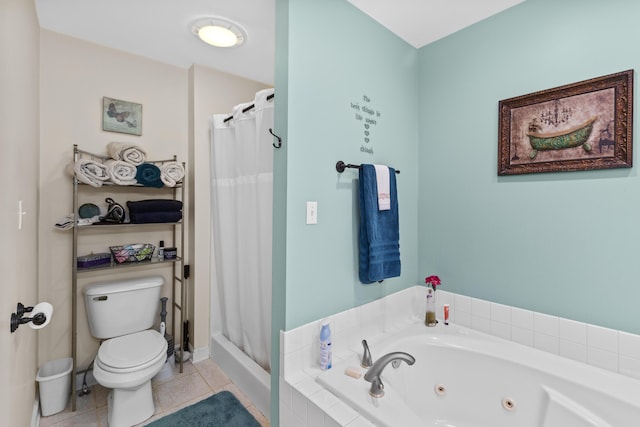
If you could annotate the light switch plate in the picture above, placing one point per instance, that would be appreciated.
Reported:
(312, 212)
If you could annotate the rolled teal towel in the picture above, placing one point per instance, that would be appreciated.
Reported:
(149, 175)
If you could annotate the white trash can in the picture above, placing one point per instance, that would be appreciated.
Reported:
(54, 379)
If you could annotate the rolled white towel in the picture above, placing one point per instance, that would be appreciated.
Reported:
(171, 173)
(129, 153)
(89, 172)
(121, 173)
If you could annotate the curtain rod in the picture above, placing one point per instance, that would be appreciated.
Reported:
(244, 110)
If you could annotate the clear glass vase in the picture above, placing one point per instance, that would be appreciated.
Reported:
(430, 314)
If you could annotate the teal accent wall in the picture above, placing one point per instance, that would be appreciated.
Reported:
(329, 57)
(279, 251)
(565, 244)
(337, 56)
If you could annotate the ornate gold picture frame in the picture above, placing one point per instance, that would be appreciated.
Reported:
(580, 126)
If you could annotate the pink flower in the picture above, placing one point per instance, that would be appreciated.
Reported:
(433, 281)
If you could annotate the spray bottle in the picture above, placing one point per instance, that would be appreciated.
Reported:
(325, 346)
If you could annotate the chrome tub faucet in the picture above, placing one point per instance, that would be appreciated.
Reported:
(373, 374)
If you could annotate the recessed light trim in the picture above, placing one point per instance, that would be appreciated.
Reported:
(219, 32)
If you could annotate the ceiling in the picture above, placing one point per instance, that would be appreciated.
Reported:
(160, 29)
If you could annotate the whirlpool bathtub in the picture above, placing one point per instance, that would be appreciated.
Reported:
(464, 378)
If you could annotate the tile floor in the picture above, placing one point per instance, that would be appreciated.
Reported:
(197, 381)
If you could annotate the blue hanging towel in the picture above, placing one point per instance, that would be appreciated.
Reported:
(379, 233)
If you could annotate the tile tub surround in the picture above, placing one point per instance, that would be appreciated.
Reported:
(303, 402)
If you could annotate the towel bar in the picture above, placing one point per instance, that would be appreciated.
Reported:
(341, 166)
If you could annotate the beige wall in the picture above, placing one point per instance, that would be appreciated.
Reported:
(67, 79)
(74, 77)
(19, 132)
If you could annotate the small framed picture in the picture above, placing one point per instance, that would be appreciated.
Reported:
(121, 116)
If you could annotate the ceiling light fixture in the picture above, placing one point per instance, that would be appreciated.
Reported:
(219, 32)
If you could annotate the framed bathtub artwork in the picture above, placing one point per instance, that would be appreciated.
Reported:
(576, 127)
(121, 116)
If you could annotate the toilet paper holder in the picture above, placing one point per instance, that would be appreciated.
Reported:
(38, 319)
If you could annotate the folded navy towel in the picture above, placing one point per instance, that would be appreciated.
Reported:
(149, 175)
(154, 217)
(379, 233)
(154, 205)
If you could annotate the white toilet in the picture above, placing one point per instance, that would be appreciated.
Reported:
(121, 313)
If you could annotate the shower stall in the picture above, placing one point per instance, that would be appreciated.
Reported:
(242, 200)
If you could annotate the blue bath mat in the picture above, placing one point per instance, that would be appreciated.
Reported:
(220, 410)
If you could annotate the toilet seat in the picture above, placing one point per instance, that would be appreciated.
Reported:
(131, 352)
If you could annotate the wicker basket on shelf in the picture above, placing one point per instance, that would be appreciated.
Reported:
(136, 252)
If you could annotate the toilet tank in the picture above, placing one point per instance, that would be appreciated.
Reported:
(116, 308)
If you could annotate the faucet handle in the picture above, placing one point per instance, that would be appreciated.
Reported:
(366, 361)
(377, 388)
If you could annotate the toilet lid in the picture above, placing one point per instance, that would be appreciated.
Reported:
(132, 352)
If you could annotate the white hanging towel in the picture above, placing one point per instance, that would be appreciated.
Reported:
(382, 181)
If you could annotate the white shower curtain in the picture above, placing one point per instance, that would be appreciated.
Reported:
(242, 189)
